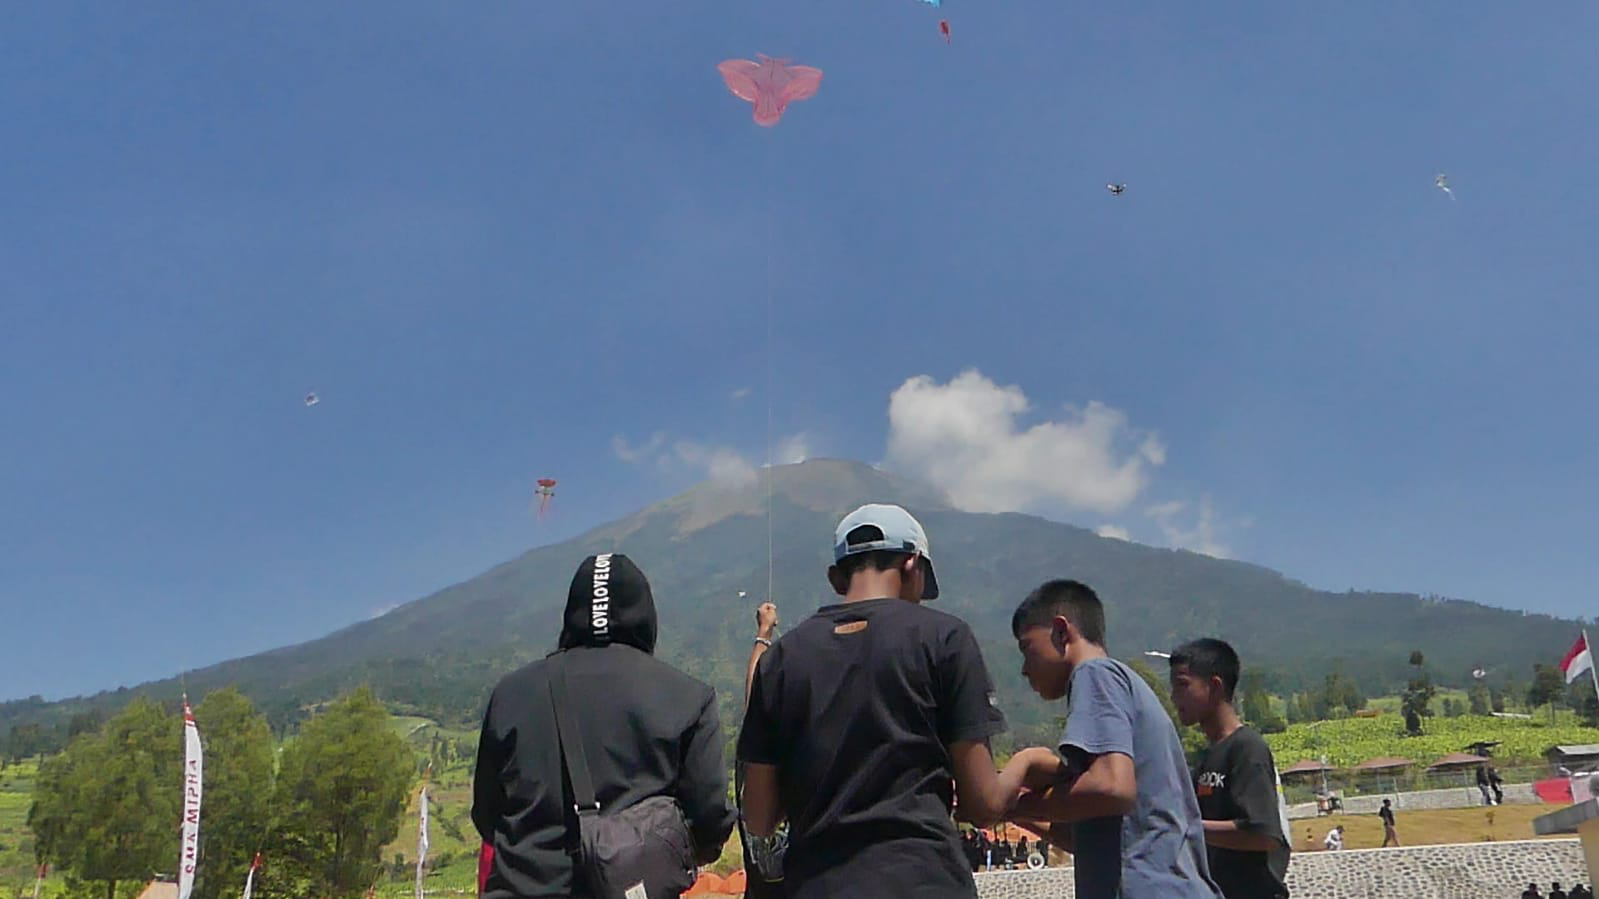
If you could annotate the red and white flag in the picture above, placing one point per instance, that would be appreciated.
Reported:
(249, 879)
(191, 803)
(1578, 661)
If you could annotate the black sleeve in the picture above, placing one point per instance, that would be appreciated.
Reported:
(966, 709)
(757, 736)
(702, 787)
(1254, 791)
(487, 796)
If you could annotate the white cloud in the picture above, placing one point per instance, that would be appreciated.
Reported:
(626, 453)
(791, 450)
(740, 394)
(1114, 532)
(724, 466)
(1202, 536)
(964, 436)
(380, 611)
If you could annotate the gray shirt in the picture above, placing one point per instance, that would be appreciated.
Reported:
(1156, 851)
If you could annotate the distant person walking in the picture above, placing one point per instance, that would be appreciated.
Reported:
(645, 730)
(1496, 782)
(1482, 785)
(1389, 832)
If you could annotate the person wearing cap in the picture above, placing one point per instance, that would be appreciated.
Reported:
(861, 718)
(658, 727)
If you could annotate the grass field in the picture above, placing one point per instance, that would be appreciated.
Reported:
(1459, 825)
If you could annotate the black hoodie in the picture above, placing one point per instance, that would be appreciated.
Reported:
(648, 730)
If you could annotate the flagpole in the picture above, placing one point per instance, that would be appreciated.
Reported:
(1595, 674)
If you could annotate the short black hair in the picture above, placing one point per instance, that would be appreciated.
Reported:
(1072, 600)
(1209, 657)
(877, 559)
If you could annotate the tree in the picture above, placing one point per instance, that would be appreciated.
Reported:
(238, 790)
(1453, 708)
(1292, 711)
(1417, 701)
(107, 807)
(1255, 705)
(26, 741)
(1548, 686)
(342, 784)
(1481, 699)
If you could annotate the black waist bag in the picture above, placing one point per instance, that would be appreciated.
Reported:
(643, 851)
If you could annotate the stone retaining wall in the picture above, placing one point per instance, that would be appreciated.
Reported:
(1452, 871)
(1455, 797)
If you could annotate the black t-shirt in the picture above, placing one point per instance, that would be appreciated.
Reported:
(856, 707)
(1237, 781)
(1387, 815)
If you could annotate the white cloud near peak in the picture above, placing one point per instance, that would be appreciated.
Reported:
(1114, 532)
(965, 437)
(723, 465)
(1201, 533)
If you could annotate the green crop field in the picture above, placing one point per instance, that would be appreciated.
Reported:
(1350, 741)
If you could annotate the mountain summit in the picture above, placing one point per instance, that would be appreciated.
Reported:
(440, 655)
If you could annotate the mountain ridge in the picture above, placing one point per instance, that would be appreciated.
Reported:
(439, 655)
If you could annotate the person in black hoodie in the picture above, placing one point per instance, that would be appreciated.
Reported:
(649, 729)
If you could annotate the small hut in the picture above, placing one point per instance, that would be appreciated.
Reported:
(1381, 775)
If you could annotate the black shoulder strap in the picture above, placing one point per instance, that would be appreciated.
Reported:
(571, 739)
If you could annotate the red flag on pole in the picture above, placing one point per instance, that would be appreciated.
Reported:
(1578, 660)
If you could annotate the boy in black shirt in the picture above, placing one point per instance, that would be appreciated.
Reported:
(1246, 829)
(861, 717)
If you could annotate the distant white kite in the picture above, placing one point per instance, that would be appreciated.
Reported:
(1479, 673)
(1116, 189)
(742, 594)
(311, 399)
(1442, 183)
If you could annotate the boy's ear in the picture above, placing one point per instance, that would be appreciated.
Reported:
(836, 580)
(1060, 632)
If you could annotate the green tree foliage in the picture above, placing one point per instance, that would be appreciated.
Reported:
(1255, 705)
(1339, 697)
(238, 790)
(1548, 687)
(25, 741)
(107, 808)
(342, 784)
(1481, 699)
(1454, 708)
(1416, 703)
(1291, 709)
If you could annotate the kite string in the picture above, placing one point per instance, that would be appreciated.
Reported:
(771, 290)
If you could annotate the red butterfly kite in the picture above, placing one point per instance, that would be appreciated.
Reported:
(771, 84)
(943, 25)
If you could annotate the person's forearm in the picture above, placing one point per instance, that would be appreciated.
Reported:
(749, 675)
(1107, 789)
(1226, 835)
(759, 649)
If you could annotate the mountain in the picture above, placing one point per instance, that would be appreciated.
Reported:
(440, 655)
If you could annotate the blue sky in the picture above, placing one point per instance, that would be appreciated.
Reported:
(495, 237)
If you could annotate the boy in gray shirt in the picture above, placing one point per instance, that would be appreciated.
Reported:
(1121, 801)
